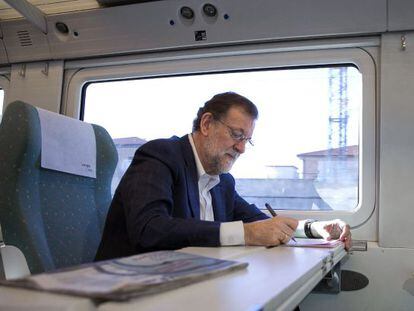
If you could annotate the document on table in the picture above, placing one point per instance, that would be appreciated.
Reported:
(314, 243)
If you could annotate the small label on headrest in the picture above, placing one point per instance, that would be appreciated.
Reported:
(68, 145)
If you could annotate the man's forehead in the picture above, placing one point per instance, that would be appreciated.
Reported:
(240, 119)
(236, 112)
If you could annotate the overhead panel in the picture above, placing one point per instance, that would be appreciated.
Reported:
(3, 54)
(162, 25)
(24, 37)
(169, 25)
(24, 42)
(400, 15)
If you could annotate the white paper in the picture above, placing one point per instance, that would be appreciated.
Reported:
(314, 243)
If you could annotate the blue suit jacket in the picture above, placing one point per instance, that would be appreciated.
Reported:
(156, 205)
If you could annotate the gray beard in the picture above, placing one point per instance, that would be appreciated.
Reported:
(215, 166)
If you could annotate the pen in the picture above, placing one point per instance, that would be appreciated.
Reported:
(273, 213)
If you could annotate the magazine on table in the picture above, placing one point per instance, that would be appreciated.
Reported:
(124, 278)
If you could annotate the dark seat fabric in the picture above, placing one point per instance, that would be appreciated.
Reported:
(55, 218)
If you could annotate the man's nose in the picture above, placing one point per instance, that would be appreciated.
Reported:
(240, 146)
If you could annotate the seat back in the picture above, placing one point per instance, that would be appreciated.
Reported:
(55, 218)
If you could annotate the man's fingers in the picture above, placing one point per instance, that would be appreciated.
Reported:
(325, 235)
(285, 228)
(333, 229)
(346, 231)
(348, 243)
(292, 223)
(286, 223)
(270, 232)
(346, 236)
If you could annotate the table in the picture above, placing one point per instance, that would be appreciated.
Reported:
(276, 279)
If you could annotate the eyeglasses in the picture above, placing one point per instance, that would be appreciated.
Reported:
(237, 135)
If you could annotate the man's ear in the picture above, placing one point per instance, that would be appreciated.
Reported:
(206, 122)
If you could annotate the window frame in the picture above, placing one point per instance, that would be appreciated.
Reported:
(4, 85)
(189, 62)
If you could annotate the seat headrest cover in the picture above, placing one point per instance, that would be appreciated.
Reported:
(68, 145)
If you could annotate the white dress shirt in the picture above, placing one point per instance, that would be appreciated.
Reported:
(231, 233)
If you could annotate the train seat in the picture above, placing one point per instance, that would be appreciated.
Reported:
(54, 216)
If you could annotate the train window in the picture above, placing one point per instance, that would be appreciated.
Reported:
(306, 141)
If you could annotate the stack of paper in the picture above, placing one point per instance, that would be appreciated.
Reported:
(314, 243)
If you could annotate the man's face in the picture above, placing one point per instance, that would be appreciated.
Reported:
(226, 140)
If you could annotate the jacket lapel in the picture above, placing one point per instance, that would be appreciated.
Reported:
(191, 177)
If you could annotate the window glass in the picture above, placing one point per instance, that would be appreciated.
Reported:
(306, 140)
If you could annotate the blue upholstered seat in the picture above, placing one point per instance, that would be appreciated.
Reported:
(54, 218)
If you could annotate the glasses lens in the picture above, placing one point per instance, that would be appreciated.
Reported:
(238, 136)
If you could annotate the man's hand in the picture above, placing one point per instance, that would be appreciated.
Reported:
(334, 229)
(270, 232)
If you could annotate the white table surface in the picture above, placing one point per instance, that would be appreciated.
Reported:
(16, 299)
(275, 279)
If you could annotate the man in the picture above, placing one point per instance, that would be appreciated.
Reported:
(177, 192)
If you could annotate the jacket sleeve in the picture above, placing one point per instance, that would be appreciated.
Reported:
(245, 211)
(239, 209)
